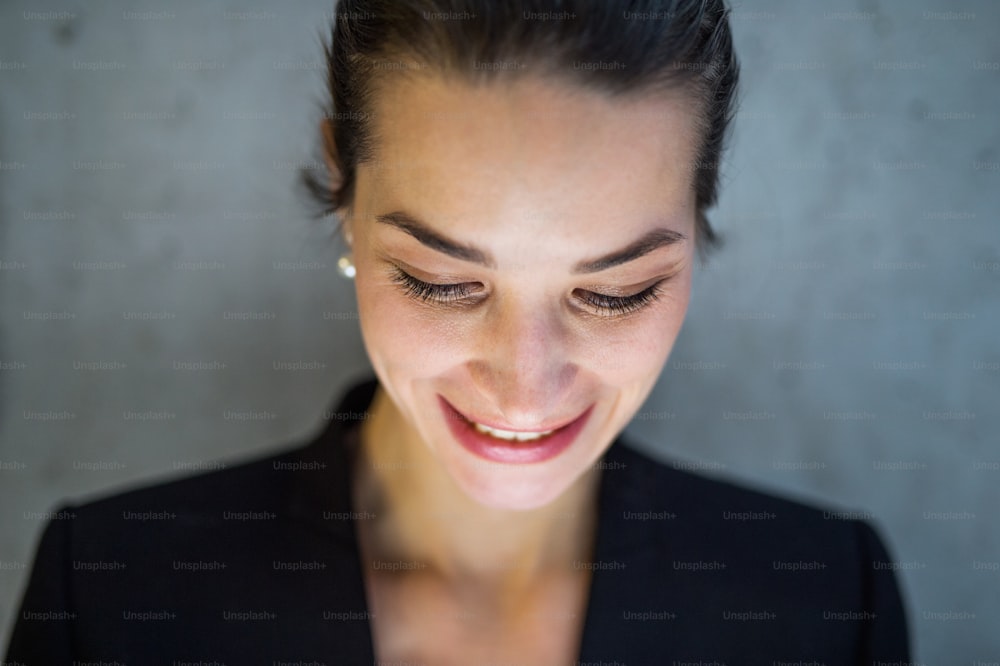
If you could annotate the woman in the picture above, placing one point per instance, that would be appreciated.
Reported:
(523, 190)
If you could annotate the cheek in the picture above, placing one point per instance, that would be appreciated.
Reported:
(403, 336)
(634, 351)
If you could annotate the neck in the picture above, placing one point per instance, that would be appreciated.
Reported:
(423, 516)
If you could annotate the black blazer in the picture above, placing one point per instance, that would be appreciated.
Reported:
(258, 563)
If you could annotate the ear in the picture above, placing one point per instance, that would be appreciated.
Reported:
(330, 152)
(335, 173)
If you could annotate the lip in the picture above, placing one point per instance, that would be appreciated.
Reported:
(499, 450)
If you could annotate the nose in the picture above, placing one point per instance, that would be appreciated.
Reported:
(522, 365)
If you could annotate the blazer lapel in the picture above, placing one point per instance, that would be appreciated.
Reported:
(626, 552)
(319, 498)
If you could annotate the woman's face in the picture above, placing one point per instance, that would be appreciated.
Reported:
(547, 212)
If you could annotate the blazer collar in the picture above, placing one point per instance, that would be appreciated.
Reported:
(320, 492)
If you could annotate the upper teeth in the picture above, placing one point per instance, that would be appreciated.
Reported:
(510, 435)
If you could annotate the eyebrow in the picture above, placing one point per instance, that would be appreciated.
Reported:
(434, 240)
(651, 240)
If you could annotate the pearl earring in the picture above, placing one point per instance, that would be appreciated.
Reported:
(346, 267)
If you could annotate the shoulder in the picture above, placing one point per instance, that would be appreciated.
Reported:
(734, 566)
(192, 498)
(190, 560)
(770, 543)
(239, 513)
(692, 495)
(280, 477)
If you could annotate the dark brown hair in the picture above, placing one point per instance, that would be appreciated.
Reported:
(631, 47)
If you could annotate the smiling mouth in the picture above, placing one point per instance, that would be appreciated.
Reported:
(509, 435)
(513, 446)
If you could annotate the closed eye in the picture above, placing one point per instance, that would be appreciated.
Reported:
(622, 305)
(428, 292)
(465, 292)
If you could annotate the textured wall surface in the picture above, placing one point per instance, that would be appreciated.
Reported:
(158, 267)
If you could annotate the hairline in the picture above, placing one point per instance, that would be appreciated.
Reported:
(683, 90)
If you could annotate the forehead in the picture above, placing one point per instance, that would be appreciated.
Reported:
(531, 146)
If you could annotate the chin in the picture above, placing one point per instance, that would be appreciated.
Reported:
(512, 490)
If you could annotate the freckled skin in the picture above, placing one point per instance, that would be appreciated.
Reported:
(540, 176)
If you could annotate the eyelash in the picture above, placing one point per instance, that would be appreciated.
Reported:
(609, 306)
(623, 305)
(425, 291)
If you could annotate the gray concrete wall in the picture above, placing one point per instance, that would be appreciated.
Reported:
(842, 348)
